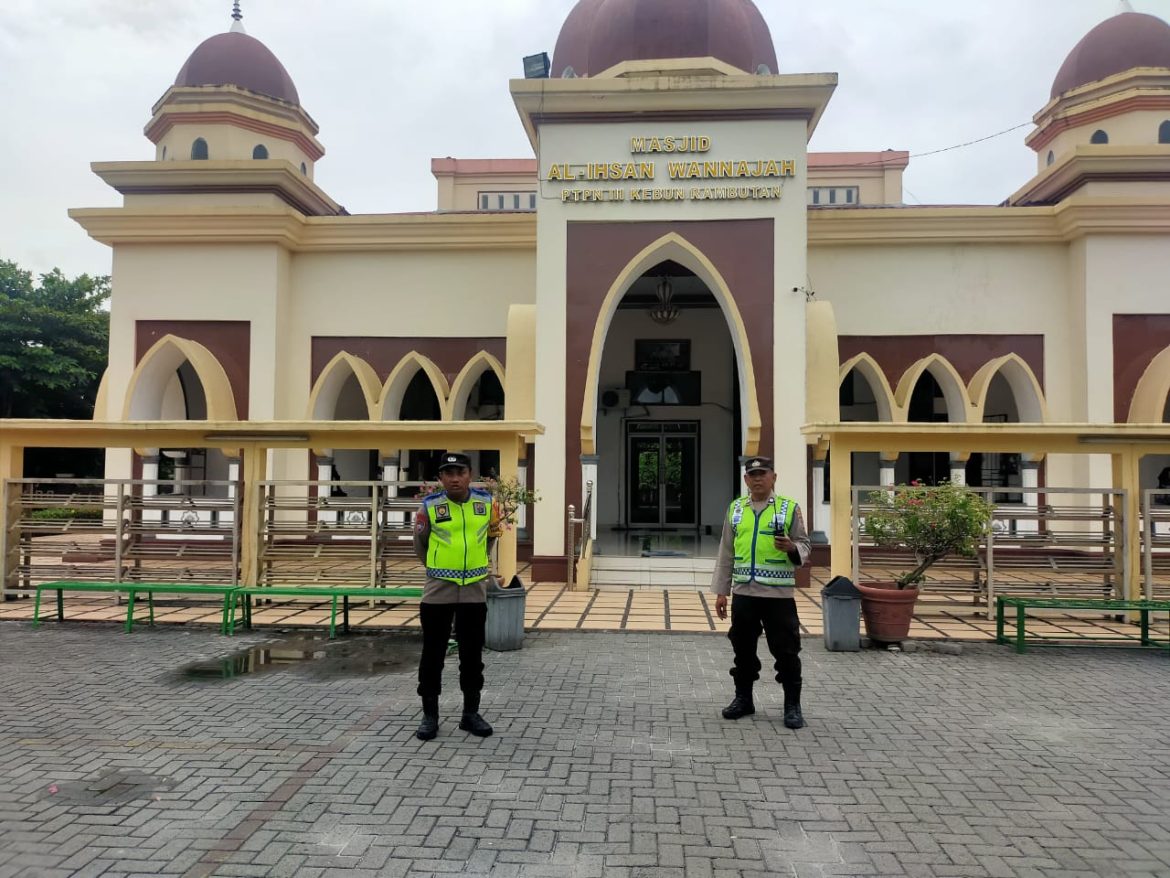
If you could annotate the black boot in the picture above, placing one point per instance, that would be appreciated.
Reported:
(429, 727)
(741, 705)
(793, 718)
(472, 721)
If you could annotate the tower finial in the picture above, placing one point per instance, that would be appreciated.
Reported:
(1126, 6)
(237, 18)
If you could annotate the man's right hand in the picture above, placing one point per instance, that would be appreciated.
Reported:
(721, 606)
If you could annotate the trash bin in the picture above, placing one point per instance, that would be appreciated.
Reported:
(505, 615)
(841, 614)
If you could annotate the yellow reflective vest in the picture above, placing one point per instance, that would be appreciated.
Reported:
(457, 550)
(756, 555)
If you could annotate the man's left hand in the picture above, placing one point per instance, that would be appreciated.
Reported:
(784, 544)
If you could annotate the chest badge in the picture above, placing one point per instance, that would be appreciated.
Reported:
(442, 512)
(479, 508)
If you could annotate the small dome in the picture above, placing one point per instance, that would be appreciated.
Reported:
(597, 34)
(240, 60)
(1126, 41)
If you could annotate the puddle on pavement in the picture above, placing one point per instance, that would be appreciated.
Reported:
(358, 656)
(111, 787)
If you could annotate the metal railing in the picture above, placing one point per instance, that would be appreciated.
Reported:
(579, 541)
(1156, 543)
(119, 530)
(1060, 542)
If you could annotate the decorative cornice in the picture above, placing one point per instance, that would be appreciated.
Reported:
(293, 231)
(932, 225)
(274, 176)
(1094, 113)
(1088, 163)
(210, 98)
(591, 99)
(167, 120)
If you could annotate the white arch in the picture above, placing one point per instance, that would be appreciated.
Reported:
(389, 406)
(676, 248)
(1148, 402)
(154, 372)
(868, 368)
(953, 388)
(327, 388)
(1026, 390)
(464, 382)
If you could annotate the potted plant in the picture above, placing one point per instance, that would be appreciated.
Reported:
(929, 524)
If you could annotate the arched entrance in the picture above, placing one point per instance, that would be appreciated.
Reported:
(415, 391)
(179, 379)
(477, 394)
(930, 391)
(346, 390)
(669, 420)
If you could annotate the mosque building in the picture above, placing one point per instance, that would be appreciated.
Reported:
(671, 283)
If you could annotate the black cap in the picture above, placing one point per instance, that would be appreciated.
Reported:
(454, 459)
(758, 463)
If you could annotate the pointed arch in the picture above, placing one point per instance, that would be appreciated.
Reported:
(390, 400)
(323, 397)
(464, 382)
(948, 378)
(154, 372)
(675, 247)
(102, 398)
(868, 367)
(1026, 390)
(1149, 397)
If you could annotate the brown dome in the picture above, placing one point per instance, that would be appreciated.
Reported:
(1126, 41)
(601, 33)
(240, 60)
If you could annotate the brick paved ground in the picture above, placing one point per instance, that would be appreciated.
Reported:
(610, 759)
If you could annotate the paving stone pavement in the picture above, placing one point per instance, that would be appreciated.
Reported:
(610, 759)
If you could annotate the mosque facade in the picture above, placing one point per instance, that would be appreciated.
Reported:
(669, 283)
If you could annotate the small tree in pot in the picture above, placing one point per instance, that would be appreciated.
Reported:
(930, 524)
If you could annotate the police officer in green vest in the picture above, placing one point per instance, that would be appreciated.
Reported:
(452, 534)
(764, 541)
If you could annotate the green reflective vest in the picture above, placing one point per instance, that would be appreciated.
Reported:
(756, 555)
(457, 550)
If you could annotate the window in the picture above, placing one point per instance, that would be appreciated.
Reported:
(199, 149)
(1051, 157)
(833, 195)
(507, 201)
(1099, 136)
(1164, 132)
(304, 170)
(259, 151)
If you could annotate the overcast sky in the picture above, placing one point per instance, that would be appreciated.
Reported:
(393, 83)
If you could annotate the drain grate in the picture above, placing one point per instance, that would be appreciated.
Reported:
(111, 787)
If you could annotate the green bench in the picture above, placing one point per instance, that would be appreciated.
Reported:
(244, 597)
(1105, 607)
(132, 590)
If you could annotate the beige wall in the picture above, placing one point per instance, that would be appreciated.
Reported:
(462, 192)
(1137, 128)
(227, 142)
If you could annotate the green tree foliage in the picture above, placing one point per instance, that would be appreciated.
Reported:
(54, 338)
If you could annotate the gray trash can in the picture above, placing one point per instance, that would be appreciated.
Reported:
(841, 613)
(505, 615)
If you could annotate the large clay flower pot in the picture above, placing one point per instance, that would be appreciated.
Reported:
(887, 610)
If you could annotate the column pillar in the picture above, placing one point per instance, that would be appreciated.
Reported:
(840, 504)
(1030, 479)
(886, 471)
(589, 464)
(255, 461)
(150, 487)
(959, 469)
(819, 532)
(11, 467)
(522, 476)
(233, 489)
(506, 544)
(390, 476)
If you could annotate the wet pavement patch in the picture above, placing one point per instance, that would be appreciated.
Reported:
(357, 656)
(111, 787)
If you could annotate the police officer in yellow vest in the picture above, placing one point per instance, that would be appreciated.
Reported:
(452, 535)
(764, 541)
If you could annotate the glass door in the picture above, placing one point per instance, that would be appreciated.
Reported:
(662, 474)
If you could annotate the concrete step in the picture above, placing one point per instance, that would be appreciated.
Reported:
(658, 573)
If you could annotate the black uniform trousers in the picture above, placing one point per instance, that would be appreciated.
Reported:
(777, 618)
(469, 619)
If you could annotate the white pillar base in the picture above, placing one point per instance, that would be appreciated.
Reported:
(1030, 476)
(820, 530)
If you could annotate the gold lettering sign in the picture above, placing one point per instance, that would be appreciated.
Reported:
(769, 171)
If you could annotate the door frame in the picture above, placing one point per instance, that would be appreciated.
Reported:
(695, 430)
